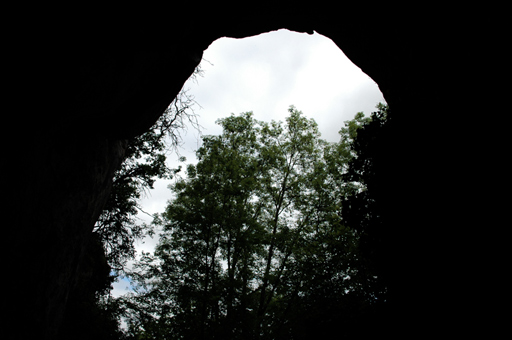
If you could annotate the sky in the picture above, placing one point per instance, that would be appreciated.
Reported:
(266, 74)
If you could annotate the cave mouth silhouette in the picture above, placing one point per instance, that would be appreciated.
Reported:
(111, 84)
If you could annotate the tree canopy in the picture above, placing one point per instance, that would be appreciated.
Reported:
(255, 242)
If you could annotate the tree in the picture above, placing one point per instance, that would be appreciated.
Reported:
(208, 217)
(365, 210)
(354, 311)
(145, 157)
(254, 237)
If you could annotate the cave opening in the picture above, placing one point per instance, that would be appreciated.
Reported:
(266, 74)
(116, 90)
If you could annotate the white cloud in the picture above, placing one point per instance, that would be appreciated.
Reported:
(269, 72)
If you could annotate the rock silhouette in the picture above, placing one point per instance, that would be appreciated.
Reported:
(85, 91)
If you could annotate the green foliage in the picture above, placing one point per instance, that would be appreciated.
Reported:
(145, 157)
(254, 238)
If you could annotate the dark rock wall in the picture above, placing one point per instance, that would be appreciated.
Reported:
(85, 92)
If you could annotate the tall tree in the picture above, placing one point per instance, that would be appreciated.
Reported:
(252, 235)
(364, 210)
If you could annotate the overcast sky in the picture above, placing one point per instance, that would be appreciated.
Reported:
(266, 74)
